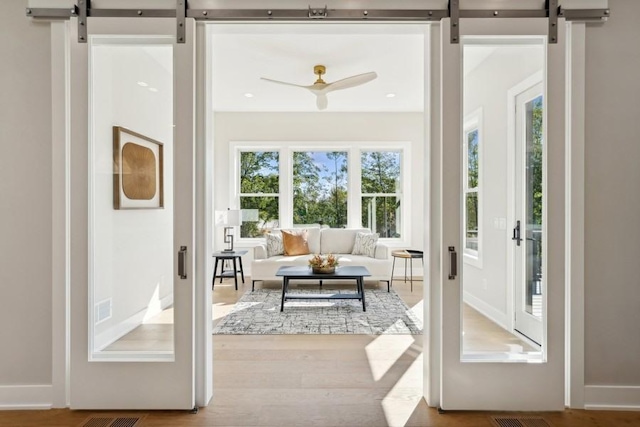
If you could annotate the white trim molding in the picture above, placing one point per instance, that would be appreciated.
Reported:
(14, 397)
(612, 397)
(574, 220)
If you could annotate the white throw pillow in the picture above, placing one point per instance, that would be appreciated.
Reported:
(365, 244)
(274, 245)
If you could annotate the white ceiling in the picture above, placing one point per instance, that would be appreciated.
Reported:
(242, 53)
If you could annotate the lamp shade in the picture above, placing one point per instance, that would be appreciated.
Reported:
(234, 218)
(228, 218)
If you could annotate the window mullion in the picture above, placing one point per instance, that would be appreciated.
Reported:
(354, 188)
(286, 188)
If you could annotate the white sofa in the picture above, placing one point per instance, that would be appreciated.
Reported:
(337, 241)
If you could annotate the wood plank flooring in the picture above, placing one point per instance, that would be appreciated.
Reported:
(312, 380)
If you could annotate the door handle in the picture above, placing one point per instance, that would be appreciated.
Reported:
(516, 233)
(182, 258)
(453, 263)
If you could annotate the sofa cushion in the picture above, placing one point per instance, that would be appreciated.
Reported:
(339, 240)
(365, 244)
(313, 237)
(295, 242)
(274, 244)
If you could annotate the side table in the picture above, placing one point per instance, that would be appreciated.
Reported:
(228, 256)
(406, 254)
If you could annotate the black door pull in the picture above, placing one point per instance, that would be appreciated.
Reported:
(516, 233)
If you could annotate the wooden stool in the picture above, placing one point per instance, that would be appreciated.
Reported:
(405, 254)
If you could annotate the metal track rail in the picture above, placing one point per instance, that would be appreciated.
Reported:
(83, 10)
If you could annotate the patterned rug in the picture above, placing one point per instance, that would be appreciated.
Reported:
(258, 313)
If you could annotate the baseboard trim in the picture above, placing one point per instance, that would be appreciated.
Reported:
(487, 310)
(617, 398)
(116, 332)
(16, 397)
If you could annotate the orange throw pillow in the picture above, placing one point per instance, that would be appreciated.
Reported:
(295, 242)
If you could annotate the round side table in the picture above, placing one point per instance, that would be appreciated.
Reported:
(406, 254)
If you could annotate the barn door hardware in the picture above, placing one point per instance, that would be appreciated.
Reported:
(83, 10)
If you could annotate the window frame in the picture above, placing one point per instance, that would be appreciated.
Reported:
(472, 122)
(398, 195)
(237, 153)
(354, 151)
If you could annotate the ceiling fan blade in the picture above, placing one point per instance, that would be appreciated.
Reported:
(321, 101)
(285, 83)
(350, 82)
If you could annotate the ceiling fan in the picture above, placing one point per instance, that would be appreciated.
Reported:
(320, 88)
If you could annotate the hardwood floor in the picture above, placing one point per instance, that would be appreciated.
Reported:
(317, 380)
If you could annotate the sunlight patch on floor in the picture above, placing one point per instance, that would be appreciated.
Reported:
(418, 310)
(384, 351)
(403, 398)
(220, 309)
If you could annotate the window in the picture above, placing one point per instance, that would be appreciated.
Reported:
(339, 184)
(320, 188)
(381, 191)
(259, 189)
(471, 186)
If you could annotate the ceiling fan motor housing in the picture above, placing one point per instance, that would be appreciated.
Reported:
(319, 70)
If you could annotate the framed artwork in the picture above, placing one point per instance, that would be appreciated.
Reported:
(137, 171)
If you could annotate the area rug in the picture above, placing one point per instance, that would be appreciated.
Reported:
(259, 313)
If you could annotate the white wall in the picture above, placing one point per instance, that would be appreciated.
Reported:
(133, 258)
(323, 127)
(612, 199)
(486, 87)
(25, 198)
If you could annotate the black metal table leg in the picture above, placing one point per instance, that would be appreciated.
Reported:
(241, 269)
(235, 272)
(284, 289)
(361, 280)
(393, 269)
(411, 274)
(215, 270)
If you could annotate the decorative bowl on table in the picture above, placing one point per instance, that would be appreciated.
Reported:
(323, 264)
(323, 270)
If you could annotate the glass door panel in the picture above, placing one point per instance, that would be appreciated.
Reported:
(131, 197)
(528, 208)
(491, 68)
(534, 196)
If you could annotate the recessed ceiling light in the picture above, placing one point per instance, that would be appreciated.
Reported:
(248, 95)
(153, 89)
(391, 95)
(143, 84)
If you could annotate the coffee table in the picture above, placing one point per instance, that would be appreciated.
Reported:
(356, 273)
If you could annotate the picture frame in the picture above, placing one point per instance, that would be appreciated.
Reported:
(138, 170)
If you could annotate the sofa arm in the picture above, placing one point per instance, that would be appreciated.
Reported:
(382, 251)
(260, 251)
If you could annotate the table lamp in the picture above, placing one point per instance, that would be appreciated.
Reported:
(229, 219)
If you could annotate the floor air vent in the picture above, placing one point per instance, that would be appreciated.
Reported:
(505, 421)
(113, 421)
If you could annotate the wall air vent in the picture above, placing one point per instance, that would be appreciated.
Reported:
(102, 311)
